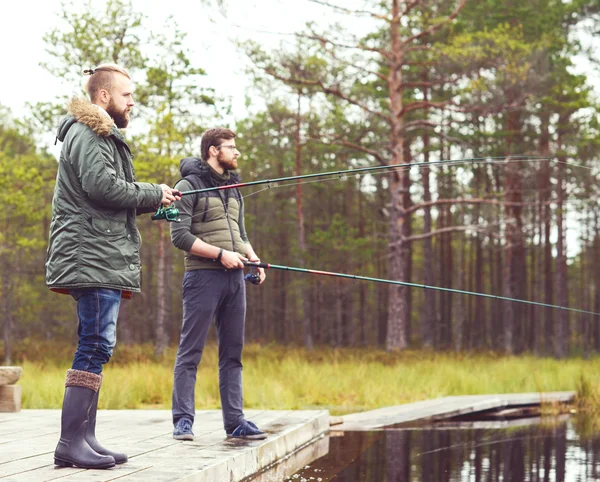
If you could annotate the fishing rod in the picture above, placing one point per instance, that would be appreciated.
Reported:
(254, 278)
(171, 213)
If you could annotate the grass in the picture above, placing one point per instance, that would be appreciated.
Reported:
(340, 380)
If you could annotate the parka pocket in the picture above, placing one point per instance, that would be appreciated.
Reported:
(108, 227)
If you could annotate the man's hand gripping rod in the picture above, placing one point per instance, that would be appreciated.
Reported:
(170, 213)
(253, 276)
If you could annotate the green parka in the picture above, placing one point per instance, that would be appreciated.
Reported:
(94, 241)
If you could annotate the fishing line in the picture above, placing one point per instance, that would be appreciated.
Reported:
(363, 171)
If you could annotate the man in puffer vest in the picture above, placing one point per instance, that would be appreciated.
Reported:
(211, 231)
(94, 248)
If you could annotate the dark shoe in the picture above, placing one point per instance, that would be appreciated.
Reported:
(248, 431)
(72, 448)
(183, 430)
(90, 435)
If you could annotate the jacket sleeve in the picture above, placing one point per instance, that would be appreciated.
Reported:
(181, 232)
(241, 222)
(148, 210)
(92, 160)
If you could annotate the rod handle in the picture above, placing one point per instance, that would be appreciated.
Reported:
(257, 265)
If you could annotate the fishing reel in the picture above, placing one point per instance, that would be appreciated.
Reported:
(170, 213)
(253, 276)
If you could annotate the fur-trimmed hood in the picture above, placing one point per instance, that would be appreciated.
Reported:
(83, 111)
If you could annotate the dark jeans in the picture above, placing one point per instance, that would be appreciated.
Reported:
(98, 309)
(221, 295)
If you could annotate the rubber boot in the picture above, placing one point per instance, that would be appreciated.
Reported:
(90, 435)
(72, 448)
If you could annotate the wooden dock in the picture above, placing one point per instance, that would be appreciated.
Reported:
(28, 439)
(296, 438)
(444, 408)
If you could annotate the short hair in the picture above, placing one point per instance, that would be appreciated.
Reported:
(102, 77)
(214, 137)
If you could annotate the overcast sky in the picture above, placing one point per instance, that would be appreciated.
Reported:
(23, 25)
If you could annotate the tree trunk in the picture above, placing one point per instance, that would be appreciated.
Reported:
(586, 282)
(445, 262)
(362, 293)
(460, 310)
(124, 325)
(398, 315)
(7, 288)
(144, 304)
(407, 245)
(162, 337)
(562, 319)
(498, 307)
(282, 308)
(546, 219)
(514, 265)
(382, 303)
(535, 313)
(479, 318)
(305, 311)
(596, 268)
(509, 261)
(442, 264)
(428, 321)
(479, 322)
(539, 270)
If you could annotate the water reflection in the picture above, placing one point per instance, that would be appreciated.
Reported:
(536, 453)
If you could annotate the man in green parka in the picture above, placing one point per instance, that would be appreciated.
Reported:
(94, 247)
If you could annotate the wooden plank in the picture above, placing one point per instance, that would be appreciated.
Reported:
(146, 437)
(480, 402)
(10, 398)
(444, 408)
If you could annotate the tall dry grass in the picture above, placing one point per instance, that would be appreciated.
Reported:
(341, 380)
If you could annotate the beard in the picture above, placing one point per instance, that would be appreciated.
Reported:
(121, 118)
(226, 164)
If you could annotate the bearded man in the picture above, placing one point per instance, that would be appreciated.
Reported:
(212, 233)
(94, 247)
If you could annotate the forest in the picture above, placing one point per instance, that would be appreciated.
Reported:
(478, 102)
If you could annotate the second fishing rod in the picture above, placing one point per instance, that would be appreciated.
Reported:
(171, 213)
(254, 278)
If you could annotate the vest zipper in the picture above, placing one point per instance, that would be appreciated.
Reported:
(224, 201)
(205, 209)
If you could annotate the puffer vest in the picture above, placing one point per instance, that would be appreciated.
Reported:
(215, 221)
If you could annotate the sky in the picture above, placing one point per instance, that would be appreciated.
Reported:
(210, 40)
(23, 25)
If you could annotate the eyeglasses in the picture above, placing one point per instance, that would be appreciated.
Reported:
(231, 148)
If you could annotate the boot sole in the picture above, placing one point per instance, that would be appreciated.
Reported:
(102, 451)
(68, 463)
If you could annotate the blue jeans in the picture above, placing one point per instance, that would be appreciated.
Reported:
(98, 310)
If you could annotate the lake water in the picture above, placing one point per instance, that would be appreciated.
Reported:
(556, 450)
